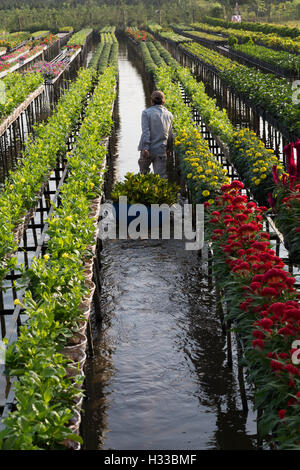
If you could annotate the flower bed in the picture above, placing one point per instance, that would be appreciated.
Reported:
(17, 88)
(265, 28)
(269, 40)
(262, 90)
(284, 61)
(203, 172)
(139, 35)
(11, 40)
(23, 185)
(264, 304)
(49, 70)
(47, 387)
(79, 38)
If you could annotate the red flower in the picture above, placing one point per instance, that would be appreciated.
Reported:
(258, 343)
(292, 369)
(275, 365)
(236, 185)
(268, 292)
(266, 323)
(281, 414)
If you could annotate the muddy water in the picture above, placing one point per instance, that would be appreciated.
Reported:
(159, 378)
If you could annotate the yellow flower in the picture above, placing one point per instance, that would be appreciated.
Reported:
(46, 257)
(17, 302)
(205, 193)
(65, 255)
(69, 218)
(211, 201)
(189, 176)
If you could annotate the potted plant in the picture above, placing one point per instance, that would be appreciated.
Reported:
(145, 190)
(22, 59)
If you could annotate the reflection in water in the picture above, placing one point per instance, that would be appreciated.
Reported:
(159, 378)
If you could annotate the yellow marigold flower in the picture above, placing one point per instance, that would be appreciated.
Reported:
(257, 182)
(205, 193)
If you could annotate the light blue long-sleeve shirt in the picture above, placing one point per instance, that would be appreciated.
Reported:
(156, 130)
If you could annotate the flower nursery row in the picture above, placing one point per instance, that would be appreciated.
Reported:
(249, 155)
(255, 283)
(8, 64)
(284, 61)
(270, 40)
(17, 88)
(266, 28)
(106, 53)
(200, 35)
(49, 354)
(262, 302)
(79, 38)
(281, 61)
(255, 164)
(204, 174)
(265, 91)
(23, 186)
(11, 40)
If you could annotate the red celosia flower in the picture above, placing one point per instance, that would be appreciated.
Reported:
(265, 323)
(269, 292)
(292, 369)
(258, 343)
(236, 185)
(275, 365)
(258, 334)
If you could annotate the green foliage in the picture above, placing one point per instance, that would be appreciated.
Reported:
(232, 41)
(78, 39)
(263, 90)
(23, 186)
(44, 394)
(146, 189)
(17, 88)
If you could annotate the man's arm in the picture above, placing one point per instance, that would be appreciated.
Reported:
(145, 133)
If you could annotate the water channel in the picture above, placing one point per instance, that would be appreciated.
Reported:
(159, 378)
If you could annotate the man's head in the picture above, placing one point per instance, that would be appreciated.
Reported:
(157, 97)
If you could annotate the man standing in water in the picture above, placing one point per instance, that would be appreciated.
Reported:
(156, 137)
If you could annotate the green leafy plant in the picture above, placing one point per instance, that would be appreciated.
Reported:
(146, 189)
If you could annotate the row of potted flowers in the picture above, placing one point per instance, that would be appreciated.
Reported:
(79, 38)
(204, 173)
(17, 87)
(49, 354)
(23, 186)
(265, 91)
(269, 40)
(247, 152)
(264, 304)
(260, 169)
(266, 28)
